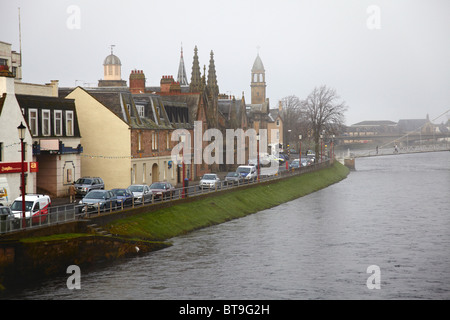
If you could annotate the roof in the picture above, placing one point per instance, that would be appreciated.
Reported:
(374, 123)
(112, 59)
(406, 125)
(258, 65)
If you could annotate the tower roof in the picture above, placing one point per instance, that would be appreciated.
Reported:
(112, 59)
(182, 77)
(258, 65)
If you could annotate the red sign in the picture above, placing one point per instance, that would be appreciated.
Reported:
(34, 167)
(13, 167)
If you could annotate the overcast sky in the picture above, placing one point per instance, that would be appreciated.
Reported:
(388, 60)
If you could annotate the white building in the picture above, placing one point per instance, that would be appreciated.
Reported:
(10, 156)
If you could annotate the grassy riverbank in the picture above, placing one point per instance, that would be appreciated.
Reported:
(183, 218)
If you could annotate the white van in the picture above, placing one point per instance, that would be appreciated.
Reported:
(35, 205)
(248, 172)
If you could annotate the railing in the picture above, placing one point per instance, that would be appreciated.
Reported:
(71, 212)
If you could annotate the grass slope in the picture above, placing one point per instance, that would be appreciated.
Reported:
(182, 218)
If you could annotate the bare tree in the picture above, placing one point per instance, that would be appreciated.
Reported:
(324, 113)
(291, 116)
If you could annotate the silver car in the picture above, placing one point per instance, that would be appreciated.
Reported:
(210, 181)
(141, 193)
(98, 200)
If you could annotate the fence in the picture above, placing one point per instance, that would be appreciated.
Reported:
(71, 212)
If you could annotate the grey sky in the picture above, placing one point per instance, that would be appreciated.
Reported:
(399, 70)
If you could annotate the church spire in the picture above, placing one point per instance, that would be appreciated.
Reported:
(196, 81)
(182, 78)
(212, 78)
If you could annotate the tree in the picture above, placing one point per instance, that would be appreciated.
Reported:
(292, 119)
(324, 113)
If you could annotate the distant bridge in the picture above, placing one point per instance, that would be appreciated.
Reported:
(392, 138)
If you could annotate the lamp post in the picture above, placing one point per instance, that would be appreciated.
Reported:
(183, 139)
(300, 150)
(21, 128)
(332, 147)
(257, 154)
(321, 143)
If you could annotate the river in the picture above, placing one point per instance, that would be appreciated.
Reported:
(393, 212)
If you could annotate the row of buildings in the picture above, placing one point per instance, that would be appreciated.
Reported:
(120, 131)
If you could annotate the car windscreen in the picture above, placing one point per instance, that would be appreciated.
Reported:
(158, 186)
(95, 195)
(243, 170)
(120, 192)
(84, 181)
(17, 205)
(136, 188)
(209, 177)
(232, 174)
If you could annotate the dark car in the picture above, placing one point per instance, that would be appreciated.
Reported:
(86, 184)
(162, 190)
(98, 200)
(124, 196)
(233, 178)
(7, 220)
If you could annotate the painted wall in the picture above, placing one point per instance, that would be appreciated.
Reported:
(10, 118)
(105, 139)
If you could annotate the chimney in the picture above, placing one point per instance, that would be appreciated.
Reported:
(137, 81)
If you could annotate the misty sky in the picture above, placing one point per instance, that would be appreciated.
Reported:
(388, 60)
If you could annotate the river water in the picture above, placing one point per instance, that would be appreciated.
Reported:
(393, 212)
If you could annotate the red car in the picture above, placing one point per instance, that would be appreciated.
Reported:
(162, 190)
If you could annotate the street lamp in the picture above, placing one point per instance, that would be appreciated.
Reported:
(257, 154)
(183, 139)
(21, 128)
(300, 151)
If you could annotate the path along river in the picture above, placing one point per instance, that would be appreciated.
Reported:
(392, 212)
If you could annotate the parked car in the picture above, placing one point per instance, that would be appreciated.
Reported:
(295, 164)
(7, 220)
(209, 180)
(86, 184)
(124, 196)
(141, 193)
(98, 199)
(36, 206)
(233, 178)
(162, 190)
(248, 172)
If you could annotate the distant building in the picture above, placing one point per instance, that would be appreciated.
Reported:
(53, 153)
(10, 147)
(112, 72)
(416, 125)
(258, 110)
(12, 59)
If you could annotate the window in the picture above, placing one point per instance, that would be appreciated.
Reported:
(278, 122)
(58, 122)
(69, 123)
(46, 131)
(1, 151)
(33, 121)
(139, 141)
(144, 172)
(140, 110)
(168, 140)
(154, 141)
